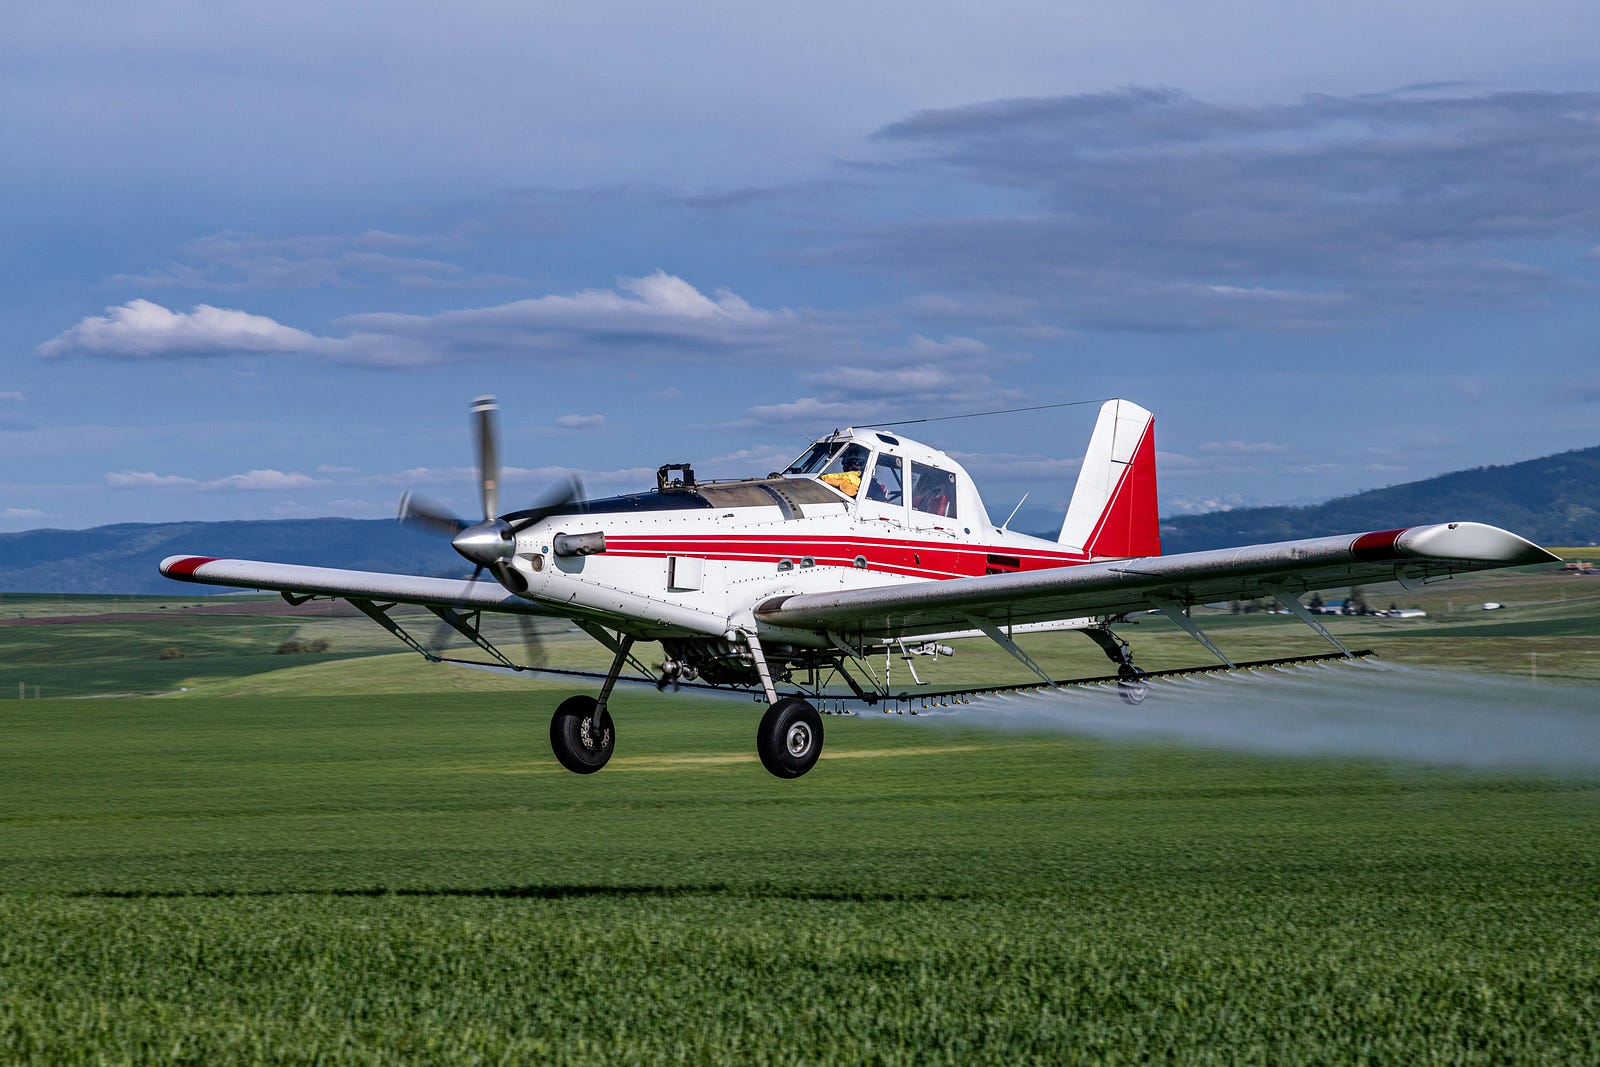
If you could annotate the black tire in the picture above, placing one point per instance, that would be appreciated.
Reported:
(790, 738)
(581, 744)
(1133, 690)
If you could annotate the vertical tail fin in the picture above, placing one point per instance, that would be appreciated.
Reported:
(1114, 510)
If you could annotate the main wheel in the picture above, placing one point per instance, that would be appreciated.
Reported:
(580, 741)
(1131, 686)
(790, 737)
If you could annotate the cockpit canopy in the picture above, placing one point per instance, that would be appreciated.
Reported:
(867, 465)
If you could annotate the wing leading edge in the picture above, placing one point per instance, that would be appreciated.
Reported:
(360, 585)
(1121, 586)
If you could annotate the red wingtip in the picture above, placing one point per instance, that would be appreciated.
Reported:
(185, 566)
(1378, 545)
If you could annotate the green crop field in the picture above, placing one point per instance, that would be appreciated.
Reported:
(321, 859)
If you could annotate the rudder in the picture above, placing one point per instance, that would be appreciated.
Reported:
(1114, 510)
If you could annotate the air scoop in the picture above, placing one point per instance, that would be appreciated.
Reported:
(486, 543)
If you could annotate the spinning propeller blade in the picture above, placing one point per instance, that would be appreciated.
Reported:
(532, 643)
(486, 436)
(489, 543)
(415, 511)
(549, 502)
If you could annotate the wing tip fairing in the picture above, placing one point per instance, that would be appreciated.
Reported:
(1476, 542)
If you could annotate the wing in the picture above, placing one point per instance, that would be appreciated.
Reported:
(1117, 587)
(368, 586)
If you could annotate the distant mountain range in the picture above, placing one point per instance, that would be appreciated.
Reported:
(1553, 501)
(123, 558)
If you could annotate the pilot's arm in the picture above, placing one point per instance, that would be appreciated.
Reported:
(847, 482)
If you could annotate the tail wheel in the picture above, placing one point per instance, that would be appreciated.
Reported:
(581, 740)
(790, 738)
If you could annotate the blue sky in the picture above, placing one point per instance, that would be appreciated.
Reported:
(258, 262)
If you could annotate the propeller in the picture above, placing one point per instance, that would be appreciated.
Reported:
(426, 515)
(485, 434)
(490, 543)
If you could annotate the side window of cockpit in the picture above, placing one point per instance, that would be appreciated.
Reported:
(847, 470)
(933, 491)
(886, 483)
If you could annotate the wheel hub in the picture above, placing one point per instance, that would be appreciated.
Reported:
(798, 739)
(588, 733)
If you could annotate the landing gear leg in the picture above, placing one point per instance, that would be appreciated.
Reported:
(789, 739)
(581, 733)
(1131, 686)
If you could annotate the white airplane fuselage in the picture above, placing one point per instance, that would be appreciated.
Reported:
(697, 560)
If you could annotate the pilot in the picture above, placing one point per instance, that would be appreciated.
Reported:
(848, 479)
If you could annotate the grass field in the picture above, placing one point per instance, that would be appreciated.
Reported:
(378, 861)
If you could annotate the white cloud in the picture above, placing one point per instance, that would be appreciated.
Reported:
(810, 411)
(266, 479)
(12, 395)
(924, 381)
(141, 329)
(749, 462)
(21, 513)
(1201, 505)
(581, 422)
(659, 315)
(656, 315)
(149, 480)
(250, 480)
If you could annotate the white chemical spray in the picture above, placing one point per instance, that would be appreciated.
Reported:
(1367, 709)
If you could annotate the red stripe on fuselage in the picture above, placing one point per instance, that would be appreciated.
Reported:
(923, 559)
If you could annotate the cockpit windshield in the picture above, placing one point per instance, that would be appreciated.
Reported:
(815, 458)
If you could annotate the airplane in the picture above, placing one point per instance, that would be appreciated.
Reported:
(870, 543)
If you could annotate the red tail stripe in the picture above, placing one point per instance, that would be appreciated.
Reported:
(1135, 533)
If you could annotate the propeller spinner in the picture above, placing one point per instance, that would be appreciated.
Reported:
(491, 542)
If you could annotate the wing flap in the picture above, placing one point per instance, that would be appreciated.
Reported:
(335, 582)
(1121, 586)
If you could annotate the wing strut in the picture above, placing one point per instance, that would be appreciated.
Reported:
(1292, 604)
(380, 615)
(1175, 613)
(467, 626)
(1001, 638)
